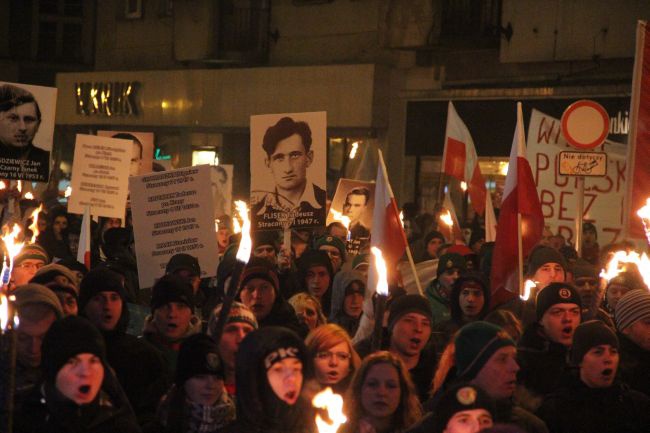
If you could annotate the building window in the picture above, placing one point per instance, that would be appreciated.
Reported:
(60, 33)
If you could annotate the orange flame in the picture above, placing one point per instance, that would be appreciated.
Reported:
(68, 191)
(528, 287)
(333, 403)
(463, 186)
(29, 195)
(2, 185)
(343, 219)
(382, 273)
(615, 265)
(33, 227)
(246, 243)
(445, 217)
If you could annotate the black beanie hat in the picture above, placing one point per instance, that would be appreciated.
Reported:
(405, 304)
(542, 255)
(588, 335)
(198, 354)
(100, 280)
(556, 293)
(69, 337)
(185, 262)
(450, 261)
(475, 343)
(258, 267)
(457, 399)
(433, 235)
(171, 288)
(311, 258)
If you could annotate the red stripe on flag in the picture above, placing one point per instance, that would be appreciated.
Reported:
(455, 158)
(394, 238)
(87, 259)
(477, 191)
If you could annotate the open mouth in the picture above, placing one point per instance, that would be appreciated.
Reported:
(415, 341)
(291, 396)
(608, 372)
(567, 331)
(84, 389)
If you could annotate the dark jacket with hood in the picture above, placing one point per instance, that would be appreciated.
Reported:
(337, 315)
(580, 409)
(544, 365)
(138, 366)
(259, 410)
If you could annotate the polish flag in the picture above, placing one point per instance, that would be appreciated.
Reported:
(83, 252)
(387, 232)
(459, 159)
(520, 222)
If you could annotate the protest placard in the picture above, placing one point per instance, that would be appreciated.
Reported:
(603, 199)
(141, 149)
(26, 131)
(354, 199)
(100, 176)
(173, 213)
(288, 162)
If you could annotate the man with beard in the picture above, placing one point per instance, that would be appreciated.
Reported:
(594, 402)
(543, 346)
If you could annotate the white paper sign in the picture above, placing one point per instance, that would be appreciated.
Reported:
(100, 172)
(603, 202)
(173, 213)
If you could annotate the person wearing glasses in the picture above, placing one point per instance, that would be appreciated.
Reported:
(30, 259)
(334, 357)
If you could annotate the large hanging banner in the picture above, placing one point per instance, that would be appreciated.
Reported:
(100, 172)
(603, 201)
(173, 213)
(26, 131)
(354, 199)
(141, 149)
(288, 163)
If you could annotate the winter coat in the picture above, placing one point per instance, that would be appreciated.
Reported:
(259, 410)
(543, 365)
(634, 365)
(337, 314)
(439, 304)
(580, 409)
(50, 411)
(283, 314)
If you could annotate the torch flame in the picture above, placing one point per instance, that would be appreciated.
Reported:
(401, 218)
(463, 186)
(34, 225)
(2, 185)
(216, 224)
(236, 225)
(614, 266)
(445, 217)
(19, 186)
(353, 151)
(528, 287)
(644, 214)
(4, 311)
(68, 191)
(29, 195)
(9, 237)
(343, 219)
(382, 274)
(246, 243)
(333, 403)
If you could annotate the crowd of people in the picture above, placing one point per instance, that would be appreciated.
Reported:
(573, 357)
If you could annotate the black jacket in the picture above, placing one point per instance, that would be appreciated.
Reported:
(580, 409)
(634, 366)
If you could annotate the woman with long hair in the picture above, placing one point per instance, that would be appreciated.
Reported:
(381, 398)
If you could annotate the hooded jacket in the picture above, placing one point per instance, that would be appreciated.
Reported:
(337, 315)
(258, 408)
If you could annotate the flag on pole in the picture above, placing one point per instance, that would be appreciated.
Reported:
(459, 159)
(83, 252)
(520, 218)
(490, 220)
(638, 157)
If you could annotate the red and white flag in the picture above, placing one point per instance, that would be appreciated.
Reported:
(83, 252)
(520, 217)
(459, 159)
(387, 232)
(638, 158)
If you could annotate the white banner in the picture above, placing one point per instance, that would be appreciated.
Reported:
(173, 213)
(100, 172)
(603, 202)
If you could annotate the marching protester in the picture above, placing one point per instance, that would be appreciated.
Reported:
(348, 293)
(450, 267)
(316, 276)
(30, 259)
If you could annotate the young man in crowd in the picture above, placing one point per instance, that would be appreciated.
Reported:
(450, 267)
(335, 249)
(31, 258)
(633, 324)
(542, 350)
(316, 276)
(486, 357)
(593, 401)
(587, 283)
(265, 246)
(37, 308)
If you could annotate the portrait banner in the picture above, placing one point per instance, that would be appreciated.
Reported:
(100, 176)
(141, 149)
(603, 199)
(354, 199)
(173, 213)
(288, 163)
(222, 189)
(27, 116)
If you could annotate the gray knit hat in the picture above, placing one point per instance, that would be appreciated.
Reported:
(633, 306)
(33, 293)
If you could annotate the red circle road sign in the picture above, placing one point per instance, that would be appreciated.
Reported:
(585, 124)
